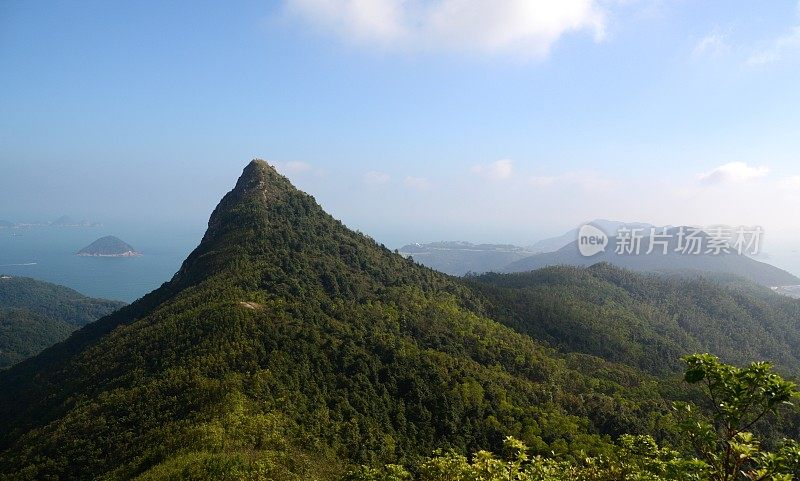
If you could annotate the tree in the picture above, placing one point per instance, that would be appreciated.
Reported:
(725, 449)
(738, 398)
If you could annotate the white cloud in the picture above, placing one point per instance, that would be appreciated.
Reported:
(376, 179)
(361, 20)
(296, 167)
(528, 28)
(497, 170)
(712, 45)
(733, 172)
(791, 183)
(417, 183)
(778, 48)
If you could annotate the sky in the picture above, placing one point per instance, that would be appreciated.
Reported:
(410, 120)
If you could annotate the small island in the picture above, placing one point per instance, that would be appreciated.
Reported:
(108, 246)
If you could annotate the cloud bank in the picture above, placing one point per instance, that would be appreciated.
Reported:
(528, 28)
(733, 172)
(497, 170)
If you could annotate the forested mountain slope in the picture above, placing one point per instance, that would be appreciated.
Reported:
(24, 334)
(288, 347)
(35, 315)
(53, 301)
(647, 320)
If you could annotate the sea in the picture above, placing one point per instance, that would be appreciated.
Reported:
(785, 255)
(47, 253)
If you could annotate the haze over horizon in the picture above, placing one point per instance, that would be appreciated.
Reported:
(413, 121)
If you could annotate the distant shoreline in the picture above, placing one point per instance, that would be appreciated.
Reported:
(124, 254)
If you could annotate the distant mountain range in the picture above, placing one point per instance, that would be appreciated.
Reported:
(67, 221)
(673, 261)
(555, 243)
(459, 258)
(63, 221)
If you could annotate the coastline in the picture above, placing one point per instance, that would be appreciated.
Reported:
(123, 254)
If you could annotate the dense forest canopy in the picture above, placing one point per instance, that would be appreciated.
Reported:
(34, 315)
(717, 445)
(646, 320)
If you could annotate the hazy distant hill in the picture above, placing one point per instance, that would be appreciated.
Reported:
(5, 223)
(672, 261)
(109, 246)
(555, 243)
(459, 258)
(35, 315)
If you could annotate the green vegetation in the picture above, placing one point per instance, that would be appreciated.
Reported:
(24, 334)
(721, 447)
(737, 399)
(35, 315)
(285, 332)
(646, 320)
(53, 301)
(289, 347)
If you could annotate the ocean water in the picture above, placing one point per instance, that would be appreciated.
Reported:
(48, 254)
(785, 256)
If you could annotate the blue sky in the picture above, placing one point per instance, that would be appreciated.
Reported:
(502, 121)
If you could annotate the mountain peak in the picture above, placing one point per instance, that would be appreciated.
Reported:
(256, 174)
(258, 186)
(263, 219)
